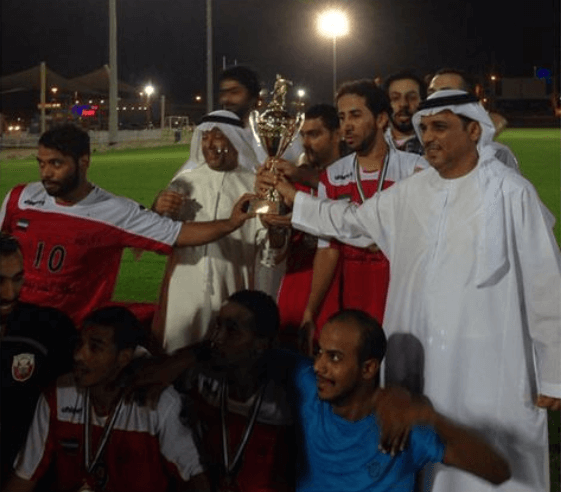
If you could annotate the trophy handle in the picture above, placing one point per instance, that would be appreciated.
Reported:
(253, 118)
(299, 121)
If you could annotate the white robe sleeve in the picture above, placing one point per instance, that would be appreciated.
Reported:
(355, 225)
(539, 260)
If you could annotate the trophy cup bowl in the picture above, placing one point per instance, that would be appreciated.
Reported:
(275, 129)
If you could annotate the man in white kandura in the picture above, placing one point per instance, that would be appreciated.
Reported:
(199, 279)
(475, 279)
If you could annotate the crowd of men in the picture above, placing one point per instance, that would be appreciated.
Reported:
(416, 266)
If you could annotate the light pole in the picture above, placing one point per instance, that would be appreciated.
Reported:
(333, 23)
(148, 90)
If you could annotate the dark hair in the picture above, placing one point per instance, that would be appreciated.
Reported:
(468, 81)
(405, 76)
(8, 244)
(245, 76)
(377, 100)
(67, 139)
(327, 113)
(127, 330)
(264, 309)
(372, 338)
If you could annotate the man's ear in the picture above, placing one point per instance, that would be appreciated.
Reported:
(336, 135)
(124, 357)
(84, 163)
(382, 120)
(370, 368)
(474, 131)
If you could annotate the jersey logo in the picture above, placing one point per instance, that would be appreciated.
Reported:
(342, 176)
(70, 410)
(22, 224)
(374, 470)
(70, 445)
(36, 202)
(23, 366)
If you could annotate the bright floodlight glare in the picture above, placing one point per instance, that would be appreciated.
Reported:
(149, 90)
(301, 92)
(333, 23)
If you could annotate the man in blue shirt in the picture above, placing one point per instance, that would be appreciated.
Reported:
(354, 436)
(358, 437)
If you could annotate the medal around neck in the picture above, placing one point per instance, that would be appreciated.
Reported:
(275, 129)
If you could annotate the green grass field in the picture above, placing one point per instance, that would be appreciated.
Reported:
(140, 174)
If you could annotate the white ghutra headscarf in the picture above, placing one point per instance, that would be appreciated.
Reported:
(492, 262)
(232, 127)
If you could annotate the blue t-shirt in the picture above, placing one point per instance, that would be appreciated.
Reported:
(339, 455)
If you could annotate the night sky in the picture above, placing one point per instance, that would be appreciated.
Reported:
(164, 40)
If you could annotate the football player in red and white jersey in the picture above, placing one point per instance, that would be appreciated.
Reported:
(91, 438)
(364, 111)
(72, 233)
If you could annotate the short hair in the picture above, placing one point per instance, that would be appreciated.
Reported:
(245, 76)
(127, 330)
(264, 309)
(377, 101)
(405, 76)
(372, 342)
(468, 81)
(8, 244)
(67, 139)
(327, 113)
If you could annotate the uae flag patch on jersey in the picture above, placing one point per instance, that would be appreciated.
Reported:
(23, 366)
(22, 224)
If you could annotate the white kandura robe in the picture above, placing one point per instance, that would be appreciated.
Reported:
(199, 279)
(476, 278)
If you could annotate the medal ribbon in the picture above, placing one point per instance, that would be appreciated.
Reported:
(381, 176)
(90, 465)
(230, 467)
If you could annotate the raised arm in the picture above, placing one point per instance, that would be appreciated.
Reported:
(154, 374)
(340, 219)
(464, 449)
(198, 233)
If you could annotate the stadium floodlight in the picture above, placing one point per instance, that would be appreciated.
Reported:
(300, 93)
(149, 90)
(333, 23)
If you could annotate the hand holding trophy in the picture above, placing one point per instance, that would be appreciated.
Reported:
(275, 129)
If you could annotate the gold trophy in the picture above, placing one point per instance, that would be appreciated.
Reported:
(275, 129)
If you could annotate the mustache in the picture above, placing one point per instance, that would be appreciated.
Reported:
(403, 112)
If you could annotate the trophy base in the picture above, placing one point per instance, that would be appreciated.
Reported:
(264, 206)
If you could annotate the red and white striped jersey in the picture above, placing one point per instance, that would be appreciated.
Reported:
(72, 253)
(145, 448)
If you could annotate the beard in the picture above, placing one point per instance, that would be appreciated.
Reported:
(405, 126)
(366, 145)
(60, 188)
